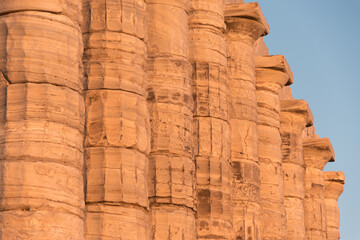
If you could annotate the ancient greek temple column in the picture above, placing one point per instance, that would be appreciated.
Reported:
(295, 115)
(233, 1)
(334, 186)
(272, 73)
(42, 120)
(117, 137)
(172, 169)
(207, 54)
(317, 152)
(245, 24)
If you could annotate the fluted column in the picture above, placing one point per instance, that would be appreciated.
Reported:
(295, 115)
(172, 169)
(317, 152)
(207, 51)
(42, 120)
(272, 73)
(334, 186)
(117, 122)
(245, 24)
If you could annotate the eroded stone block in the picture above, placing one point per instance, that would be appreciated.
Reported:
(112, 115)
(172, 222)
(116, 175)
(126, 16)
(120, 222)
(115, 60)
(27, 53)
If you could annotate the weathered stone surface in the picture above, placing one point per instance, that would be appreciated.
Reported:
(112, 114)
(70, 8)
(42, 121)
(234, 1)
(245, 24)
(23, 38)
(111, 221)
(272, 73)
(126, 73)
(121, 16)
(117, 138)
(174, 105)
(286, 94)
(172, 170)
(260, 48)
(172, 222)
(334, 186)
(295, 115)
(116, 175)
(309, 132)
(316, 152)
(211, 119)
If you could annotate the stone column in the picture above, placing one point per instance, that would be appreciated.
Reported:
(272, 73)
(245, 24)
(295, 115)
(317, 152)
(42, 120)
(117, 120)
(172, 169)
(207, 51)
(234, 1)
(334, 186)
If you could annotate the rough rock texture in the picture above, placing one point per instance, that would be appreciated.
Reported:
(260, 48)
(295, 116)
(210, 91)
(334, 186)
(42, 121)
(234, 1)
(309, 132)
(286, 94)
(272, 73)
(245, 24)
(316, 152)
(172, 170)
(117, 139)
(178, 111)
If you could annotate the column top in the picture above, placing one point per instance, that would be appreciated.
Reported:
(250, 11)
(277, 63)
(317, 152)
(332, 176)
(298, 109)
(334, 184)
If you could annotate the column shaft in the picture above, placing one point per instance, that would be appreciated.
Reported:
(172, 168)
(42, 120)
(272, 73)
(207, 49)
(334, 186)
(117, 120)
(242, 32)
(317, 152)
(295, 116)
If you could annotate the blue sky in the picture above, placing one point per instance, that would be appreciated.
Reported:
(320, 40)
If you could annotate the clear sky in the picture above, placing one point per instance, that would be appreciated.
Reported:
(320, 40)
